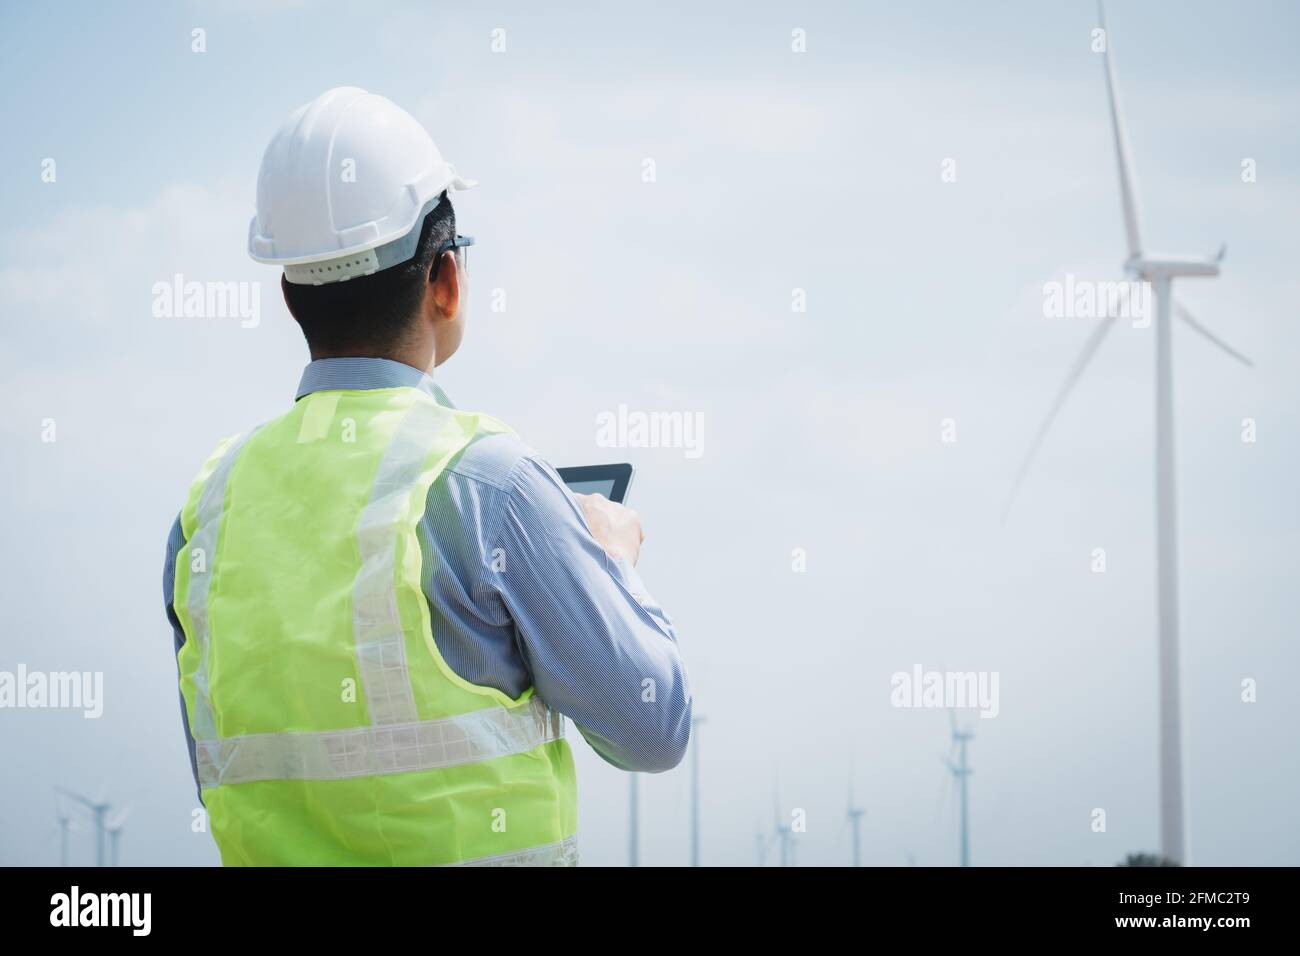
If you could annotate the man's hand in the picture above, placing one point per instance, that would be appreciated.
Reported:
(616, 529)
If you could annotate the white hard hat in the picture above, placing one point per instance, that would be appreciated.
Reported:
(344, 187)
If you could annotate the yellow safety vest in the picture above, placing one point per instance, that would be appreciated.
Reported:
(328, 728)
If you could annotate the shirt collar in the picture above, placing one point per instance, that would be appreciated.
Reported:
(361, 373)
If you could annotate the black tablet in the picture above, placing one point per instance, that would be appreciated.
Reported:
(612, 481)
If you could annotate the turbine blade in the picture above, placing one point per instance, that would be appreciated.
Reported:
(1072, 377)
(1190, 319)
(76, 796)
(1127, 183)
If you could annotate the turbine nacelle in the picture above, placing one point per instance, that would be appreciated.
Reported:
(1151, 266)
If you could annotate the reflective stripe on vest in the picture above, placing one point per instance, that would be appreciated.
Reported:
(204, 542)
(370, 751)
(381, 647)
(448, 769)
(564, 853)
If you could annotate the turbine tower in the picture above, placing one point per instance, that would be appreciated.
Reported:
(961, 771)
(114, 829)
(696, 723)
(66, 826)
(633, 822)
(1159, 271)
(855, 821)
(782, 832)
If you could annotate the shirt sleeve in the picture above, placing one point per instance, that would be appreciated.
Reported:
(175, 545)
(600, 650)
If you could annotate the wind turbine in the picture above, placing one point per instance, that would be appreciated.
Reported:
(782, 832)
(696, 723)
(961, 771)
(100, 809)
(633, 822)
(1159, 271)
(114, 829)
(66, 826)
(855, 820)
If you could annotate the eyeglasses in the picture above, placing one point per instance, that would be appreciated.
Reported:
(460, 242)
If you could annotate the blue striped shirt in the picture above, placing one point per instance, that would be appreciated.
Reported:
(520, 594)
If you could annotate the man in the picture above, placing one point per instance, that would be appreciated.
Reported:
(381, 604)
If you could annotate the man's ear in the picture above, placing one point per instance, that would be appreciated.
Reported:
(446, 287)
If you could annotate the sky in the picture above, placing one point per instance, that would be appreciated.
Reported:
(828, 536)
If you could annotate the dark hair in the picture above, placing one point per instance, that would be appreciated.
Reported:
(371, 315)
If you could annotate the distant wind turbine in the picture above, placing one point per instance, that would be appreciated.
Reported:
(633, 822)
(855, 821)
(1159, 271)
(66, 826)
(961, 771)
(782, 834)
(100, 809)
(114, 829)
(696, 723)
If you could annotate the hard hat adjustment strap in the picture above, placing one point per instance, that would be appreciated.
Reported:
(363, 263)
